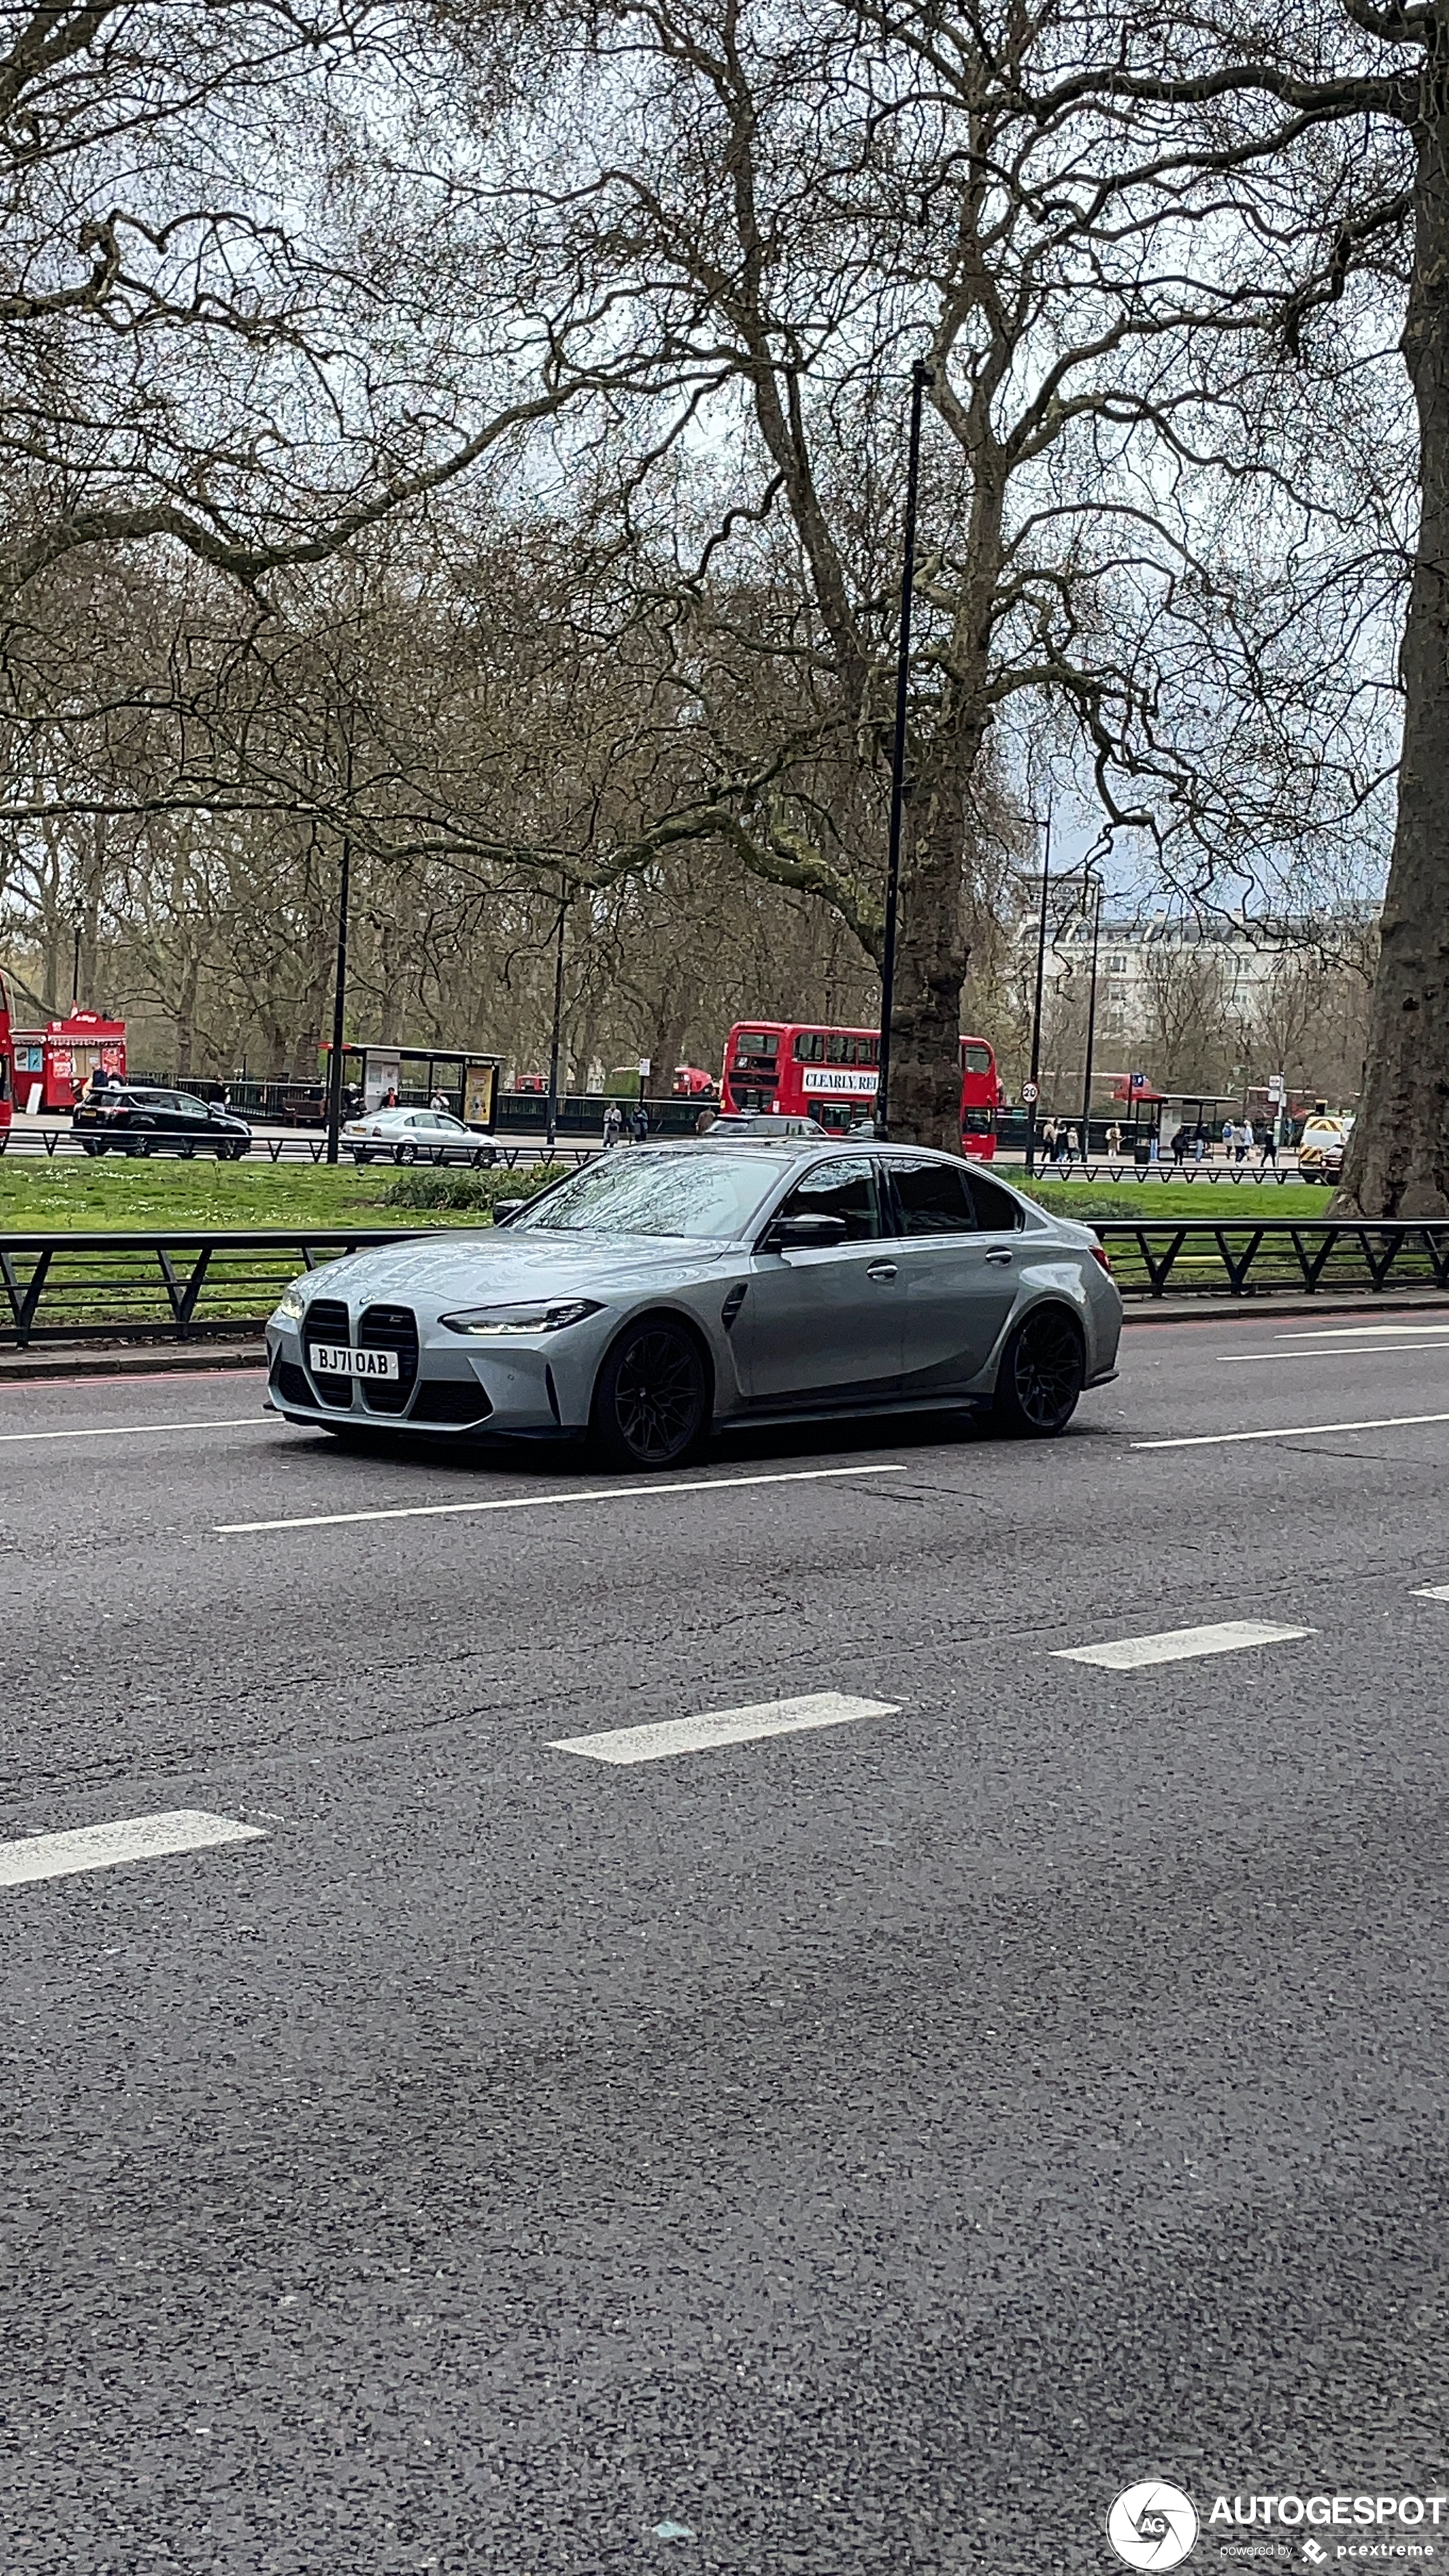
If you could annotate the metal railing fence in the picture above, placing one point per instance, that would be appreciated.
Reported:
(1273, 1255)
(293, 1147)
(179, 1286)
(184, 1284)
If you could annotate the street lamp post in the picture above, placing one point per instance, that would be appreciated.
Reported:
(75, 963)
(558, 986)
(921, 377)
(1095, 883)
(1041, 934)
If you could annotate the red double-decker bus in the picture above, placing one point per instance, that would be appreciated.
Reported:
(7, 1071)
(802, 1071)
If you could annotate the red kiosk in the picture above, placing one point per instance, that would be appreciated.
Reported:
(54, 1064)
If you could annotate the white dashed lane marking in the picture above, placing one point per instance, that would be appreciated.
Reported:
(623, 1492)
(1431, 1592)
(1291, 1431)
(125, 1430)
(181, 1829)
(717, 1726)
(1181, 1645)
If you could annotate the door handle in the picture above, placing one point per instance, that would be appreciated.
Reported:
(1001, 1259)
(881, 1270)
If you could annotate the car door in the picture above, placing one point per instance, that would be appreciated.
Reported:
(957, 1241)
(824, 1325)
(193, 1119)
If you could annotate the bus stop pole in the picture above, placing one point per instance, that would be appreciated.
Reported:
(339, 1006)
(921, 377)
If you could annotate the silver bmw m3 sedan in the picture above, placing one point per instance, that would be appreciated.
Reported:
(665, 1292)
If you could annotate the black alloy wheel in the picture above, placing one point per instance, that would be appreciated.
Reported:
(1042, 1373)
(651, 1403)
(404, 1153)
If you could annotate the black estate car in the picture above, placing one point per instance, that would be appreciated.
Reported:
(131, 1118)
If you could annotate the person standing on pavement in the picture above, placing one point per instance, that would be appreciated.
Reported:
(1070, 1150)
(639, 1124)
(1199, 1140)
(1270, 1148)
(1048, 1144)
(613, 1125)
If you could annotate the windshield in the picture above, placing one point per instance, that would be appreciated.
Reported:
(634, 1192)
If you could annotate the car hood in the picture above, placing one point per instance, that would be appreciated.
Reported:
(471, 1268)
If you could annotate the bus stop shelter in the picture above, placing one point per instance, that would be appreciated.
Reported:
(373, 1077)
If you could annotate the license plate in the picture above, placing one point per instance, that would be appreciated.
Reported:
(338, 1359)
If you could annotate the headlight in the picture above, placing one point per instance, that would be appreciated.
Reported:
(538, 1318)
(292, 1305)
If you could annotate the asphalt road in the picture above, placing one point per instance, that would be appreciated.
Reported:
(865, 2148)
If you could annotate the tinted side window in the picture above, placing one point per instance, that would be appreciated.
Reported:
(844, 1187)
(996, 1211)
(932, 1198)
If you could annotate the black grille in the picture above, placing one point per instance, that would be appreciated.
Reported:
(389, 1328)
(326, 1321)
(291, 1384)
(457, 1400)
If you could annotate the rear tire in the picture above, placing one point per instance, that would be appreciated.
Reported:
(404, 1153)
(651, 1403)
(1043, 1371)
(91, 1145)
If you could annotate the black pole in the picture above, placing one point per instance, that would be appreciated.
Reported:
(75, 967)
(1032, 1104)
(558, 967)
(921, 377)
(1091, 1018)
(339, 1006)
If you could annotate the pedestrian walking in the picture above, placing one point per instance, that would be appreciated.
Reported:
(1114, 1142)
(1199, 1143)
(1269, 1153)
(1070, 1149)
(639, 1124)
(613, 1125)
(1179, 1146)
(1227, 1140)
(1048, 1144)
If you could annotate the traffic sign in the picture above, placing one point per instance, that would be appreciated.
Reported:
(1029, 1093)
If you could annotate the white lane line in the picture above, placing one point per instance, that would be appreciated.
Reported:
(1354, 1332)
(123, 1430)
(1290, 1431)
(1349, 1351)
(620, 1493)
(1180, 1645)
(181, 1829)
(1431, 1592)
(723, 1726)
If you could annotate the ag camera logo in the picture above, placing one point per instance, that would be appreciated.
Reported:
(1153, 2525)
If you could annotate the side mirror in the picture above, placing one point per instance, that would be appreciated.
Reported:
(803, 1234)
(503, 1209)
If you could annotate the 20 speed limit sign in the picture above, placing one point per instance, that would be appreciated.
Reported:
(1030, 1093)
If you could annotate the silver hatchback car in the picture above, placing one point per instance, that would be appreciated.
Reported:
(665, 1292)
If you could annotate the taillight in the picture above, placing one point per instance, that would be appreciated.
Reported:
(1102, 1258)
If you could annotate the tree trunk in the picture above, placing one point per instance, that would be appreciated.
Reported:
(1398, 1159)
(931, 955)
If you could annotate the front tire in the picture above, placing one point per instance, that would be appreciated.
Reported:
(651, 1404)
(404, 1153)
(1042, 1373)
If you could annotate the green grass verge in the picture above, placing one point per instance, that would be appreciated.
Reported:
(1163, 1202)
(75, 1194)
